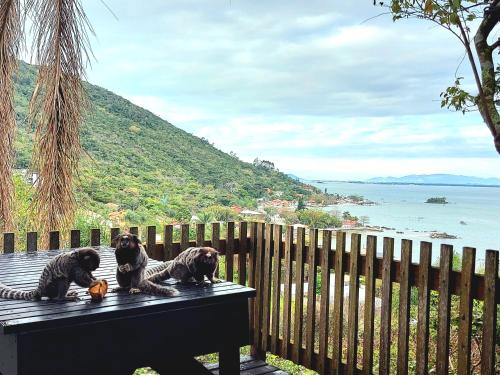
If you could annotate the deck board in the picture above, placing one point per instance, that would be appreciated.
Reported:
(21, 271)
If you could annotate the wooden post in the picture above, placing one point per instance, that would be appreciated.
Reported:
(75, 239)
(151, 242)
(31, 241)
(134, 230)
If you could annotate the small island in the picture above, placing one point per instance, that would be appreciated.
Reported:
(437, 200)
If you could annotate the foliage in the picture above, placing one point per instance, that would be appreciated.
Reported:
(318, 219)
(460, 18)
(140, 169)
(438, 200)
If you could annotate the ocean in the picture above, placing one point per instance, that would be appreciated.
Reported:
(472, 214)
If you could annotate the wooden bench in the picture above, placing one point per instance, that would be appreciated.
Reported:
(122, 333)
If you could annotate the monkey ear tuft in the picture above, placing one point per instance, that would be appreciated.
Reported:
(136, 239)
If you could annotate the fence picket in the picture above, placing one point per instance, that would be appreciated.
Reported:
(324, 309)
(311, 297)
(168, 239)
(385, 320)
(423, 308)
(266, 288)
(242, 254)
(338, 303)
(184, 236)
(8, 242)
(465, 322)
(31, 241)
(488, 352)
(114, 232)
(369, 316)
(216, 240)
(287, 292)
(151, 242)
(200, 234)
(299, 294)
(404, 308)
(95, 237)
(352, 323)
(230, 251)
(443, 339)
(54, 240)
(276, 292)
(75, 238)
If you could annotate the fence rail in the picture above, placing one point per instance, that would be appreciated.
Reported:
(298, 316)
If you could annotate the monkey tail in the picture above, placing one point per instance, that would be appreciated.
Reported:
(10, 293)
(149, 287)
(157, 269)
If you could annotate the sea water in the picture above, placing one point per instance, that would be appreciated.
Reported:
(472, 214)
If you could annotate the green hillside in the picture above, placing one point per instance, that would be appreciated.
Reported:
(140, 168)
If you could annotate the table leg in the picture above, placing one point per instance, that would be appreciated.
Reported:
(229, 361)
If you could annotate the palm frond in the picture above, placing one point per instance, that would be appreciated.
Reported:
(10, 42)
(57, 106)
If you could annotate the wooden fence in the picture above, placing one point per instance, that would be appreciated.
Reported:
(294, 315)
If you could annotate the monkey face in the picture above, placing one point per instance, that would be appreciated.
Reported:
(88, 259)
(127, 241)
(208, 255)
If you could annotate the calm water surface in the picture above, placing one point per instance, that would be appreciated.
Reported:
(403, 208)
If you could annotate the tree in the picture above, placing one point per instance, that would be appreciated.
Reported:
(10, 41)
(460, 17)
(300, 204)
(57, 105)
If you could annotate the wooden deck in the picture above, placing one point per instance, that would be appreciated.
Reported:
(250, 366)
(131, 331)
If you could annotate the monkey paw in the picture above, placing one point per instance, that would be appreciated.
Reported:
(125, 268)
(134, 290)
(215, 280)
(72, 297)
(72, 293)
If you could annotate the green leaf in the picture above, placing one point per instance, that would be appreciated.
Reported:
(456, 4)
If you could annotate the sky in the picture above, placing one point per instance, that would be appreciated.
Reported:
(313, 86)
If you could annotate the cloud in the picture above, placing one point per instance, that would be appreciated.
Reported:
(291, 79)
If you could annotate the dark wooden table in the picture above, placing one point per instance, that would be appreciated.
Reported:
(122, 333)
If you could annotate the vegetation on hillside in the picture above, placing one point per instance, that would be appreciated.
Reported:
(138, 168)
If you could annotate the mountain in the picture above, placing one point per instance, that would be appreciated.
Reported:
(436, 179)
(141, 168)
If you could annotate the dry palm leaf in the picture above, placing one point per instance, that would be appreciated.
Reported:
(10, 42)
(57, 106)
